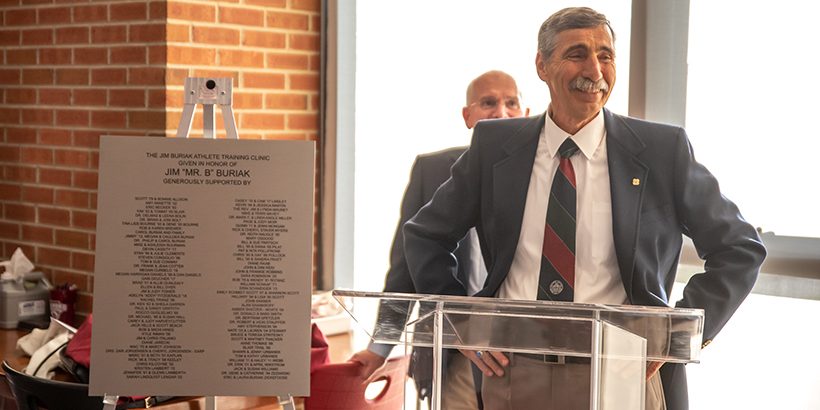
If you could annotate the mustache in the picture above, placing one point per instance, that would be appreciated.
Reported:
(588, 86)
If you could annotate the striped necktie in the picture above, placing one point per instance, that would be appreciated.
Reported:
(557, 277)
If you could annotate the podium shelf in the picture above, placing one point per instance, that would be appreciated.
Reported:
(522, 326)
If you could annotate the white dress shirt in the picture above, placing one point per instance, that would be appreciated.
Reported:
(597, 277)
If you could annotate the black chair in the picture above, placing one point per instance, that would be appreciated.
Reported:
(79, 372)
(31, 392)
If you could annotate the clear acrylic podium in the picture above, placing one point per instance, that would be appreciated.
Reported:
(616, 340)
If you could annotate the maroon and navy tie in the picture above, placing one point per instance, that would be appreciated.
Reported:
(557, 278)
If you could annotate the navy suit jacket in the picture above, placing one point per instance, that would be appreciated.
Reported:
(428, 173)
(659, 193)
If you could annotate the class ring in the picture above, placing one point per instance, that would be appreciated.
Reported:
(480, 353)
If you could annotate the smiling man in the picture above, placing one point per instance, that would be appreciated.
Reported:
(580, 204)
(580, 75)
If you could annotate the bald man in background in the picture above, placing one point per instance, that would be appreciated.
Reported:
(491, 95)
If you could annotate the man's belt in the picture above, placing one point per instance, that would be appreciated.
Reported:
(551, 358)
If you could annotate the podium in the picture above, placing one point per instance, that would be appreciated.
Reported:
(616, 341)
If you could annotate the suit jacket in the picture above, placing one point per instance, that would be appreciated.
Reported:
(428, 173)
(659, 193)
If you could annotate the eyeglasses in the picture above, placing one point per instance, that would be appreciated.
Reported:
(512, 105)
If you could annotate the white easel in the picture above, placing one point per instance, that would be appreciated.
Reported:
(208, 92)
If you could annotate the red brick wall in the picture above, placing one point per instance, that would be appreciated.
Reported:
(74, 70)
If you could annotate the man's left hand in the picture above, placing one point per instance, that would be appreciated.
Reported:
(371, 364)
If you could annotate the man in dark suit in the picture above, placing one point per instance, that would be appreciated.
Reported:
(639, 189)
(493, 94)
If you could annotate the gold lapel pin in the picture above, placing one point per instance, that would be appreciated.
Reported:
(636, 181)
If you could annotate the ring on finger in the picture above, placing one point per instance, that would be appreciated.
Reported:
(480, 353)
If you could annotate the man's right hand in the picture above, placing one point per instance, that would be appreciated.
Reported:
(490, 363)
(371, 363)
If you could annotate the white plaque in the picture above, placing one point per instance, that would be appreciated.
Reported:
(203, 267)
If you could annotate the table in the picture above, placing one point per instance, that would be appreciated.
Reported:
(341, 348)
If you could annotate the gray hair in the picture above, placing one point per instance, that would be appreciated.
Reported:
(568, 19)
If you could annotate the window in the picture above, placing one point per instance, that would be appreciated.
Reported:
(745, 102)
(750, 114)
(750, 121)
(413, 64)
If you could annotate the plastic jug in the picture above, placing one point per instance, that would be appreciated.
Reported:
(23, 298)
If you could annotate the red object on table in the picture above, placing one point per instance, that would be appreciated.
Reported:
(319, 348)
(339, 386)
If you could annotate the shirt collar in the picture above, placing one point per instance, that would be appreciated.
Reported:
(587, 138)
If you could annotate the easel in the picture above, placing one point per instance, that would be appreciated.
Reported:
(208, 92)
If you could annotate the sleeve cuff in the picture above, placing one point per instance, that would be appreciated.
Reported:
(380, 349)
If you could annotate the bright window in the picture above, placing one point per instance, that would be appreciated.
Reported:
(413, 63)
(750, 119)
(750, 108)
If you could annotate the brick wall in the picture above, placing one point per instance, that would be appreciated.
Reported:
(75, 70)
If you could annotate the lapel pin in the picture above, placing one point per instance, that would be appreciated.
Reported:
(636, 181)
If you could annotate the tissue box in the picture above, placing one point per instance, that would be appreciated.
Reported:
(24, 300)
